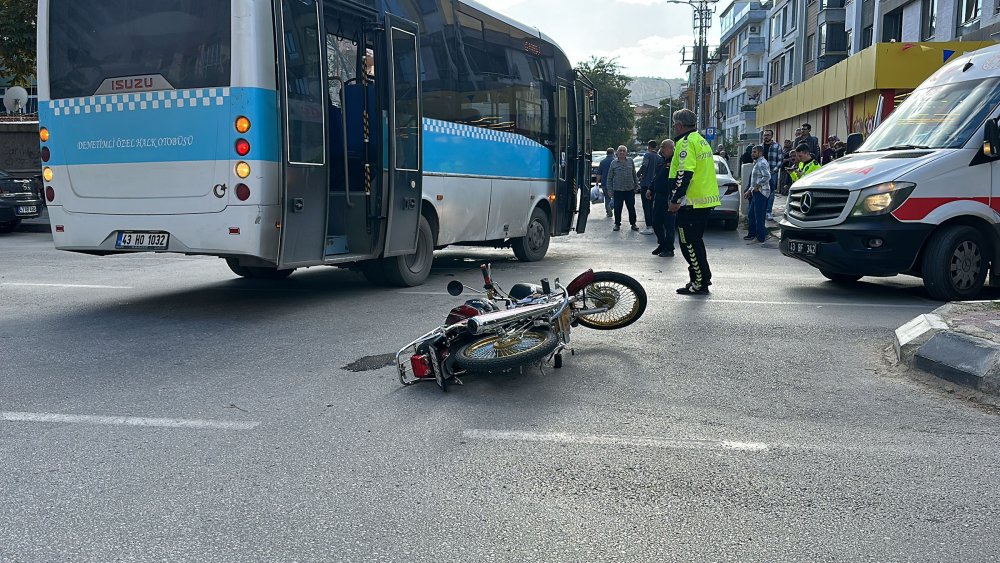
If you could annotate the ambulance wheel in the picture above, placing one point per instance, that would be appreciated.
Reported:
(955, 264)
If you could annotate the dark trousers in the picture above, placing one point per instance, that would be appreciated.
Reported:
(628, 200)
(664, 222)
(647, 207)
(756, 217)
(691, 231)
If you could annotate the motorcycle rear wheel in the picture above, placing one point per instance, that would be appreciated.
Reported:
(624, 297)
(498, 352)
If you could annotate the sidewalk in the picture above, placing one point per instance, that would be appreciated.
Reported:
(959, 342)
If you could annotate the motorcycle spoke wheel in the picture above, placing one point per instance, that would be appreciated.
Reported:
(498, 352)
(623, 296)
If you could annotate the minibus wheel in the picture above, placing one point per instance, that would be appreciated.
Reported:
(411, 269)
(955, 263)
(535, 243)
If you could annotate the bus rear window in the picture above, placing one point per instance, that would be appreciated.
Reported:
(90, 41)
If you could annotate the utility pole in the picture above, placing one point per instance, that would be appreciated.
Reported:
(704, 10)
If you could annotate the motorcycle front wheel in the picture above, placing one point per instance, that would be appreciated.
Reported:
(624, 297)
(499, 352)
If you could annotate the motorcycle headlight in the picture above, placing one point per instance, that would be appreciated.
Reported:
(882, 198)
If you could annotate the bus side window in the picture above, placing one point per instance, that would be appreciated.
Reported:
(342, 57)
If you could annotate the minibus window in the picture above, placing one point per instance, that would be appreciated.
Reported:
(937, 117)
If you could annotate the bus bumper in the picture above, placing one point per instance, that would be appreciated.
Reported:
(235, 231)
(879, 246)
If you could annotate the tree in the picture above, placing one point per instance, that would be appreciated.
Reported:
(614, 112)
(657, 123)
(17, 40)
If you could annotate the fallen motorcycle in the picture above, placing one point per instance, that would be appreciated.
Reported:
(504, 330)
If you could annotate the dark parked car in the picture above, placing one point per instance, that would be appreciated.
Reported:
(20, 198)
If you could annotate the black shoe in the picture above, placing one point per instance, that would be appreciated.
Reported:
(609, 215)
(748, 237)
(657, 250)
(668, 253)
(635, 228)
(690, 289)
(617, 228)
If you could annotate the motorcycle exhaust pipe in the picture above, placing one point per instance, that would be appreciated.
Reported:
(482, 323)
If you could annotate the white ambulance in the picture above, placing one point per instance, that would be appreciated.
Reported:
(920, 196)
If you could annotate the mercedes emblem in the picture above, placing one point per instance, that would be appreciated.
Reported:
(806, 203)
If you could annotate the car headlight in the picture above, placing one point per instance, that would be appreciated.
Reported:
(882, 198)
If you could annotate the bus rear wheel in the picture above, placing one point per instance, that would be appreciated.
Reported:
(535, 242)
(955, 264)
(408, 270)
(257, 272)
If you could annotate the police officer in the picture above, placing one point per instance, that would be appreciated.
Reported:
(806, 165)
(696, 193)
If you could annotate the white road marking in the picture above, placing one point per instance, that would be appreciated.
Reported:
(807, 303)
(65, 285)
(126, 421)
(611, 440)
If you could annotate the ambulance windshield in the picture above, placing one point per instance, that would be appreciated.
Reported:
(938, 117)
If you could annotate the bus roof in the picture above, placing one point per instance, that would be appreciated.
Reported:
(513, 23)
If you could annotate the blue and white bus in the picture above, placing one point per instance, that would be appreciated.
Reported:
(280, 134)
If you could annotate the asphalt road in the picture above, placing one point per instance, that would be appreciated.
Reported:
(758, 424)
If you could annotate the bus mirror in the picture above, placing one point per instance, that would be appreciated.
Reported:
(991, 139)
(854, 141)
(455, 288)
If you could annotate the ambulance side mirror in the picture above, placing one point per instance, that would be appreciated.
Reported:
(854, 141)
(991, 139)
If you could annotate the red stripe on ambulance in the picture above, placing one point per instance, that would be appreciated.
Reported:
(916, 208)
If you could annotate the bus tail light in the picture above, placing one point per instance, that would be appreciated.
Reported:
(43, 134)
(242, 147)
(242, 192)
(48, 174)
(46, 154)
(242, 124)
(50, 194)
(242, 169)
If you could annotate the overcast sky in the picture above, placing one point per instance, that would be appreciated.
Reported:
(645, 35)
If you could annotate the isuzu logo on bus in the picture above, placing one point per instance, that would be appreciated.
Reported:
(125, 84)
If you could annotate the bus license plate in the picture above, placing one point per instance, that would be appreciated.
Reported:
(799, 247)
(137, 240)
(27, 209)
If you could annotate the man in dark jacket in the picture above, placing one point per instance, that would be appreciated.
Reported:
(647, 171)
(664, 222)
(602, 179)
(813, 142)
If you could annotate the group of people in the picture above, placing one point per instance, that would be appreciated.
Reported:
(678, 189)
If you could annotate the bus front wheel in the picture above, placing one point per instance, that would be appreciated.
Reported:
(535, 242)
(257, 272)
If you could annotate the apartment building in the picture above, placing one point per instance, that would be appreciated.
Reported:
(740, 73)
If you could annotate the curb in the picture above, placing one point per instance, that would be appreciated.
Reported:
(936, 345)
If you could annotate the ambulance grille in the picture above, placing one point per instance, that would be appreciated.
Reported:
(816, 204)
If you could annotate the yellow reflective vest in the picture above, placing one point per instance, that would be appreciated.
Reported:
(693, 156)
(801, 169)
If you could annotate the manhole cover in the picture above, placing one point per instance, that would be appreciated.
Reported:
(369, 363)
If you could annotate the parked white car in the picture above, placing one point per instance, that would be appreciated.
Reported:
(729, 192)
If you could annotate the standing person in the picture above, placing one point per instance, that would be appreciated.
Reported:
(647, 172)
(696, 193)
(789, 162)
(806, 164)
(808, 139)
(775, 159)
(664, 223)
(747, 157)
(623, 183)
(757, 193)
(602, 178)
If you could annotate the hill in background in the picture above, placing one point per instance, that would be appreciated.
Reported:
(648, 90)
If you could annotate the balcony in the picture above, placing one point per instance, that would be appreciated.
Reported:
(830, 12)
(828, 59)
(753, 78)
(748, 113)
(754, 46)
(738, 16)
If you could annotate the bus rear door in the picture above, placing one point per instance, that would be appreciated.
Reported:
(404, 139)
(305, 171)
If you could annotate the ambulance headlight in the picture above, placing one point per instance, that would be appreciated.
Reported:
(882, 198)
